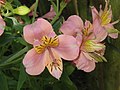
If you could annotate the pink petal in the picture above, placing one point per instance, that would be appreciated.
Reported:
(51, 14)
(68, 28)
(73, 24)
(113, 35)
(95, 13)
(85, 63)
(99, 31)
(90, 67)
(76, 20)
(37, 30)
(88, 26)
(68, 48)
(2, 25)
(110, 26)
(1, 32)
(79, 38)
(54, 64)
(34, 63)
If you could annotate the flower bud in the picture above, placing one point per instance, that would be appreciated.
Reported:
(22, 10)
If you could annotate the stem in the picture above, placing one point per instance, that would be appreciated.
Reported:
(7, 14)
(57, 6)
(35, 9)
(76, 7)
(58, 14)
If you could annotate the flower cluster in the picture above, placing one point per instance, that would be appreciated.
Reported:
(81, 43)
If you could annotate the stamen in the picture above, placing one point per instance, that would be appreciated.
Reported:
(106, 13)
(46, 42)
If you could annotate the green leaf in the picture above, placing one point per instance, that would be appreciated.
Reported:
(8, 6)
(22, 77)
(17, 2)
(22, 41)
(18, 54)
(6, 38)
(65, 83)
(3, 82)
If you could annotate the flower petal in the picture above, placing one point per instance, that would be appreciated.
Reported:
(91, 46)
(85, 63)
(77, 21)
(34, 63)
(68, 28)
(1, 32)
(95, 13)
(73, 24)
(54, 64)
(113, 35)
(2, 25)
(37, 30)
(79, 38)
(112, 32)
(99, 31)
(90, 67)
(68, 48)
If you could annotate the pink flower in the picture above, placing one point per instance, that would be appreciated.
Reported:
(89, 49)
(2, 25)
(101, 23)
(48, 49)
(51, 14)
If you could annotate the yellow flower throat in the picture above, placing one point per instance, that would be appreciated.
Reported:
(46, 43)
(105, 14)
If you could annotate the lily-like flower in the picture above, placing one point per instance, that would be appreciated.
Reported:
(48, 49)
(2, 25)
(89, 49)
(102, 23)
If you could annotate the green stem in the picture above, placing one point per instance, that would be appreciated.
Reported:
(7, 14)
(35, 9)
(57, 6)
(76, 7)
(21, 52)
(58, 14)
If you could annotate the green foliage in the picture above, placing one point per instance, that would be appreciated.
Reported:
(3, 81)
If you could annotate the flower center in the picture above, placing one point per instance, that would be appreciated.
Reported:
(105, 18)
(86, 30)
(106, 14)
(46, 43)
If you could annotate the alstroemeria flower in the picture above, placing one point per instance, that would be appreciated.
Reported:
(102, 23)
(2, 25)
(88, 46)
(48, 49)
